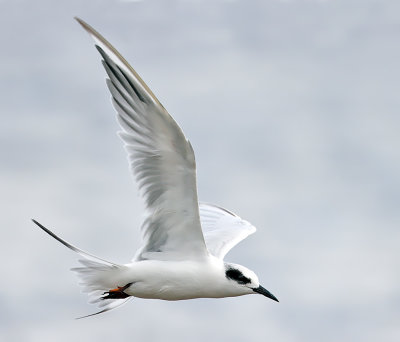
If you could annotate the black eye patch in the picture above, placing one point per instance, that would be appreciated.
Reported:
(236, 275)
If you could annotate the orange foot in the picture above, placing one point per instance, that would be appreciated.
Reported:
(117, 293)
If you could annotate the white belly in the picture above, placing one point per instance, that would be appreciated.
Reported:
(177, 280)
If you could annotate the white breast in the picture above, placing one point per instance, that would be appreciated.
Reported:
(177, 280)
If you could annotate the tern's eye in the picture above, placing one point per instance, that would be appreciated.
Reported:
(237, 276)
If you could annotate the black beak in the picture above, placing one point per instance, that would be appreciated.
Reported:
(265, 293)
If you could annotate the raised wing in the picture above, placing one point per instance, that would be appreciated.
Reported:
(161, 159)
(222, 229)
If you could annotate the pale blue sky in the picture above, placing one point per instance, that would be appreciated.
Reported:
(292, 108)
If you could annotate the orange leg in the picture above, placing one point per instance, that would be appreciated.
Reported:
(117, 293)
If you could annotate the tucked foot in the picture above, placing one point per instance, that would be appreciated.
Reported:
(117, 293)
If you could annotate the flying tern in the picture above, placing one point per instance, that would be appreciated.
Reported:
(184, 241)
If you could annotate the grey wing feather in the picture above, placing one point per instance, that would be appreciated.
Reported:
(161, 159)
(222, 229)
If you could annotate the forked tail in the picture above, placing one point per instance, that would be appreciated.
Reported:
(100, 279)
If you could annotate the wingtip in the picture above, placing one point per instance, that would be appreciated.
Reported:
(98, 38)
(86, 26)
(80, 21)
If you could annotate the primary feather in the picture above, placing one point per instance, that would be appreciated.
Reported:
(222, 229)
(161, 159)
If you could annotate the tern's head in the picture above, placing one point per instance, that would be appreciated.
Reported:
(245, 280)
